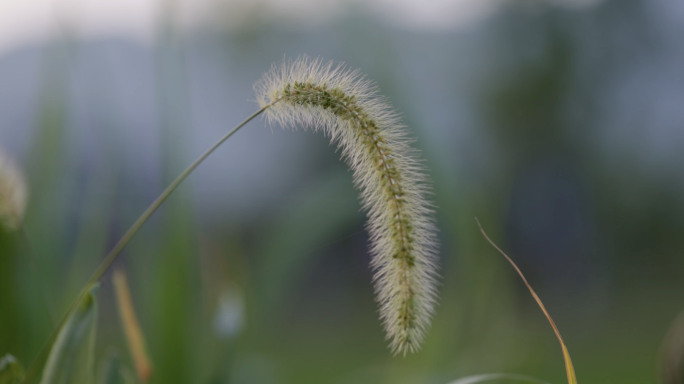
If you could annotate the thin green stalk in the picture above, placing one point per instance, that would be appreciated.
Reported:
(128, 236)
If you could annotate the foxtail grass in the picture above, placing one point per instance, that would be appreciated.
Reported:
(394, 189)
(13, 194)
(344, 105)
(13, 199)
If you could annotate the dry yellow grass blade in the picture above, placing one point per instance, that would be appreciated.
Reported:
(569, 369)
(134, 335)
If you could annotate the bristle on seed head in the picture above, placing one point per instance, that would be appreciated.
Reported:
(394, 189)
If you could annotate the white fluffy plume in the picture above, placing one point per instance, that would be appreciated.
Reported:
(394, 191)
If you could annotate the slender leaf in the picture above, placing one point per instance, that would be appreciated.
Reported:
(115, 373)
(569, 368)
(71, 358)
(131, 326)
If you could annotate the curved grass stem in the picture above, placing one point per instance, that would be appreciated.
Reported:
(130, 233)
(569, 368)
(126, 238)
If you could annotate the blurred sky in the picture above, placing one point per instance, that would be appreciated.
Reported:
(24, 21)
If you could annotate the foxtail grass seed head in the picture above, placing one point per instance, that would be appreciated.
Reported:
(394, 189)
(13, 194)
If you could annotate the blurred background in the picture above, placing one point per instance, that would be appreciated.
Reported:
(558, 123)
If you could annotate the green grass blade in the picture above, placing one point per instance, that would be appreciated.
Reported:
(115, 373)
(71, 358)
(11, 370)
(496, 376)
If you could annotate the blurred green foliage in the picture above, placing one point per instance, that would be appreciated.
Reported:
(301, 270)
